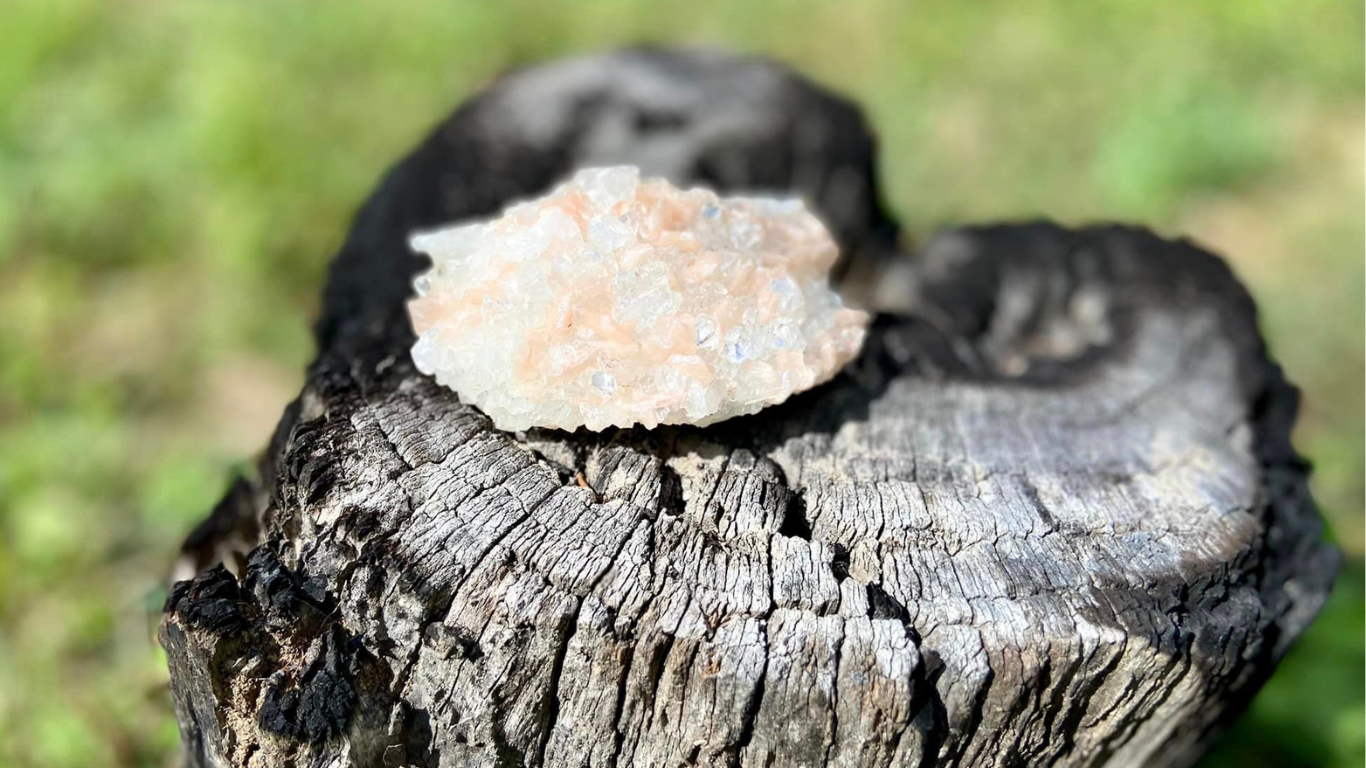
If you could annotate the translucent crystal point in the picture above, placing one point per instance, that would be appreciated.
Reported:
(618, 301)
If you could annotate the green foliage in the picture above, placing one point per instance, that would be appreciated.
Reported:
(1157, 154)
(174, 177)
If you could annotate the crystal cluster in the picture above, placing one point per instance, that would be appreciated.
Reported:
(617, 301)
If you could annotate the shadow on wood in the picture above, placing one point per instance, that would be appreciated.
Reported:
(1050, 517)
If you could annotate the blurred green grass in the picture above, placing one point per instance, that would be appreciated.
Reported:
(174, 177)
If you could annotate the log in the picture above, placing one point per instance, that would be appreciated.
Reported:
(1051, 516)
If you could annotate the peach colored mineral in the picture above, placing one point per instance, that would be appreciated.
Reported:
(619, 301)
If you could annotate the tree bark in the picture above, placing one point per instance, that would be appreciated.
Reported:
(1051, 516)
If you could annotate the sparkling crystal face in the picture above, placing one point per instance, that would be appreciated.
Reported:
(615, 301)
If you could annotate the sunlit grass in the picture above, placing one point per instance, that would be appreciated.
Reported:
(174, 177)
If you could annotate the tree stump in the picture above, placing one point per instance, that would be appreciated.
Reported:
(1051, 516)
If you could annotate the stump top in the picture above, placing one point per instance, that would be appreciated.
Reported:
(1050, 516)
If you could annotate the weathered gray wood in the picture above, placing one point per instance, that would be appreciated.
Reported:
(1050, 517)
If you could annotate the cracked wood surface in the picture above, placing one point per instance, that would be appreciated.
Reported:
(1051, 516)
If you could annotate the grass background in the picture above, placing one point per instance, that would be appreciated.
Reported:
(174, 177)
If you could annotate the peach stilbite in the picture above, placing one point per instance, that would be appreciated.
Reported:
(615, 301)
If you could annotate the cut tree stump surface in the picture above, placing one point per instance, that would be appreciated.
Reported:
(1051, 516)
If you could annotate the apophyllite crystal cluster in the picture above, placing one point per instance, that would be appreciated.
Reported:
(617, 301)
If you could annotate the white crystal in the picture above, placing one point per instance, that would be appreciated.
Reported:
(605, 382)
(705, 335)
(618, 301)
